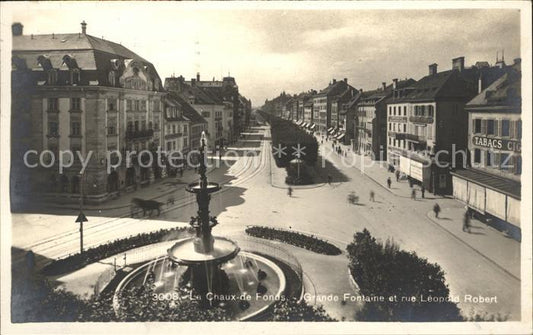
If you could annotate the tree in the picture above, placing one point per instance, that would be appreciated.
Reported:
(381, 269)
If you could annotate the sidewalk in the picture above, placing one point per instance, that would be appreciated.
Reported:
(490, 243)
(159, 189)
(377, 171)
(493, 245)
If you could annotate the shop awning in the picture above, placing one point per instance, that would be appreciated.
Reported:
(313, 126)
(503, 185)
(340, 136)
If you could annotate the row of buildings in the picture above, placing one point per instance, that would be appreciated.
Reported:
(81, 93)
(456, 131)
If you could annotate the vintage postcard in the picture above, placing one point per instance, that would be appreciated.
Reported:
(284, 167)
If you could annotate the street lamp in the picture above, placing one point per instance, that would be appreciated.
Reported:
(81, 217)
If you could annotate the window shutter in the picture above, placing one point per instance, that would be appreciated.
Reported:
(484, 127)
(473, 126)
(497, 124)
(512, 127)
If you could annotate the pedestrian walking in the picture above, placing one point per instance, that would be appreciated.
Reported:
(289, 191)
(397, 175)
(329, 179)
(181, 172)
(389, 182)
(372, 195)
(436, 209)
(413, 194)
(423, 191)
(466, 222)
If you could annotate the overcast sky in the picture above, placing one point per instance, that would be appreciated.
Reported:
(292, 50)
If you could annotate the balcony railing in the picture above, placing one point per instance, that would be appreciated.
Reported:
(170, 136)
(415, 138)
(421, 119)
(395, 118)
(138, 134)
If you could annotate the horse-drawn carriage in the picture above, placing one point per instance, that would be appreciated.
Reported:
(145, 205)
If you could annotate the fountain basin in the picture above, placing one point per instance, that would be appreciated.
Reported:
(197, 187)
(243, 281)
(184, 252)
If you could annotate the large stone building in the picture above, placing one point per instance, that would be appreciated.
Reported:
(215, 111)
(227, 91)
(175, 134)
(372, 119)
(81, 93)
(326, 104)
(491, 184)
(427, 123)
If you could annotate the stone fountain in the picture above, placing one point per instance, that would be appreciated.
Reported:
(213, 268)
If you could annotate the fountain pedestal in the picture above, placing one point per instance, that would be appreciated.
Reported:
(204, 253)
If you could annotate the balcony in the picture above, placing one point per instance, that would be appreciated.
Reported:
(394, 118)
(171, 136)
(139, 134)
(421, 119)
(415, 138)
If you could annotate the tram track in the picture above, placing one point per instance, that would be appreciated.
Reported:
(246, 168)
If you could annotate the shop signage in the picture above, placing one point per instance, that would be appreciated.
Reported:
(497, 144)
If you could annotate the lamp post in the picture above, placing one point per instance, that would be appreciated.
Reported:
(81, 217)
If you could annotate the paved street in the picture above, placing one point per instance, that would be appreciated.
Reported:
(484, 263)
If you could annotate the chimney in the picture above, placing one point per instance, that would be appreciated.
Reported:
(16, 29)
(383, 85)
(334, 81)
(433, 69)
(193, 82)
(83, 27)
(458, 64)
(480, 82)
(395, 83)
(198, 76)
(346, 80)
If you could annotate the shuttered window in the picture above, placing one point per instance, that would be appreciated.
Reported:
(484, 127)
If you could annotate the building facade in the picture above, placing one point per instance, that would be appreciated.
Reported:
(86, 95)
(427, 123)
(372, 119)
(326, 104)
(491, 185)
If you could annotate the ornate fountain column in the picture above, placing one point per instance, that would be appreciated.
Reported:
(204, 254)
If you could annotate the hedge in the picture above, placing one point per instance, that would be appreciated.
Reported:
(308, 242)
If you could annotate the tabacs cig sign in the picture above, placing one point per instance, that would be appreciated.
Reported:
(496, 143)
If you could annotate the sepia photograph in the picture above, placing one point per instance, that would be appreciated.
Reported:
(284, 167)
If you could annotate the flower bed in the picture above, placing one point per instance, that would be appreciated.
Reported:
(91, 255)
(305, 241)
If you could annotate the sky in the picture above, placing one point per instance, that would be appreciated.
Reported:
(270, 49)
